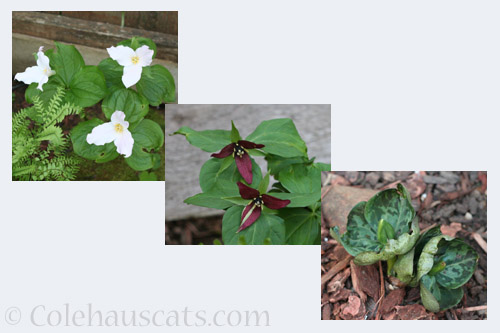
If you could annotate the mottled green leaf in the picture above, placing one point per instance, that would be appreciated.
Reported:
(437, 298)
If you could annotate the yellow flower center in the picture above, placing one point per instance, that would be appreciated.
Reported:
(118, 128)
(135, 60)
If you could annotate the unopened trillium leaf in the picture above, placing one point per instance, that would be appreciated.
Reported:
(209, 140)
(436, 297)
(404, 267)
(385, 231)
(280, 137)
(267, 226)
(235, 134)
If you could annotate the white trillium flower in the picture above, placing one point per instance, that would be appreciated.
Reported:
(132, 61)
(116, 130)
(39, 73)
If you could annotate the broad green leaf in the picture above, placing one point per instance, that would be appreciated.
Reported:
(277, 163)
(81, 147)
(280, 137)
(148, 134)
(156, 84)
(426, 258)
(298, 199)
(210, 140)
(130, 102)
(211, 174)
(147, 176)
(87, 87)
(302, 226)
(140, 160)
(136, 42)
(299, 178)
(208, 200)
(266, 226)
(66, 61)
(113, 73)
(235, 135)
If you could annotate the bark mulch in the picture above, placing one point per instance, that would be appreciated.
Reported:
(456, 201)
(195, 231)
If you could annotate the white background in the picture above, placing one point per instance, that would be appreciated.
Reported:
(414, 85)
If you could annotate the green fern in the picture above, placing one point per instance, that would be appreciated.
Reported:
(39, 147)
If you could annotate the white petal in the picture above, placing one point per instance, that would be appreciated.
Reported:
(145, 55)
(32, 74)
(131, 75)
(124, 143)
(43, 61)
(102, 134)
(122, 54)
(119, 117)
(42, 81)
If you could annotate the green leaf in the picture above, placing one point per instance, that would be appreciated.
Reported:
(264, 184)
(82, 148)
(392, 207)
(156, 84)
(210, 140)
(131, 103)
(275, 164)
(113, 73)
(266, 226)
(208, 200)
(437, 298)
(235, 135)
(49, 90)
(280, 137)
(136, 42)
(147, 176)
(211, 174)
(299, 178)
(302, 226)
(360, 236)
(361, 239)
(298, 199)
(148, 134)
(67, 61)
(140, 160)
(460, 260)
(87, 87)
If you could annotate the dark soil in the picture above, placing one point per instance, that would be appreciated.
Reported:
(114, 170)
(194, 231)
(456, 201)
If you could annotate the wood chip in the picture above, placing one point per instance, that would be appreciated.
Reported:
(452, 229)
(480, 241)
(334, 270)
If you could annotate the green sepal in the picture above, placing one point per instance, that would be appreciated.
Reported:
(235, 135)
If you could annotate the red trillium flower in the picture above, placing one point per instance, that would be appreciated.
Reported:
(243, 161)
(252, 211)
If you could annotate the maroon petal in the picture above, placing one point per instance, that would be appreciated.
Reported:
(274, 203)
(247, 192)
(225, 152)
(244, 164)
(249, 145)
(254, 215)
